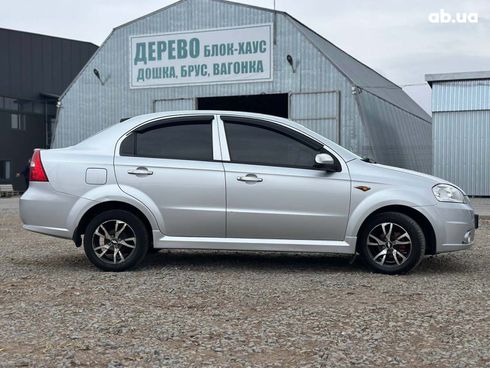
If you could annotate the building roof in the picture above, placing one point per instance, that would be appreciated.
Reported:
(451, 77)
(46, 36)
(358, 73)
(361, 75)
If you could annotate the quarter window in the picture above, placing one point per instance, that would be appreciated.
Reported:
(263, 143)
(183, 140)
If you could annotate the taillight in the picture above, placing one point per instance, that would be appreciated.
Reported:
(37, 172)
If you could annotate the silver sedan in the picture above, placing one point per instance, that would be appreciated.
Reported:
(238, 181)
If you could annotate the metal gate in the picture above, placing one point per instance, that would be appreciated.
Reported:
(318, 111)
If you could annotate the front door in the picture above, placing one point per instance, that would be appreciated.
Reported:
(169, 166)
(274, 190)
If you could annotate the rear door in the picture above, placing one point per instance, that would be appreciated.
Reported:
(274, 190)
(171, 166)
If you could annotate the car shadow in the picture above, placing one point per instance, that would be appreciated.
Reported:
(68, 261)
(444, 264)
(212, 261)
(264, 261)
(257, 261)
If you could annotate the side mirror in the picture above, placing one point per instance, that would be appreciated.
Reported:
(325, 161)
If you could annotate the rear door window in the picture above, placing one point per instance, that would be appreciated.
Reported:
(189, 139)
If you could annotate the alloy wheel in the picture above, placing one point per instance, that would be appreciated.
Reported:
(389, 244)
(114, 241)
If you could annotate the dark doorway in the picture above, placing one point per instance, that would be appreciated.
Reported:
(276, 104)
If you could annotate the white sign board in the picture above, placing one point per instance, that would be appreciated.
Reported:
(225, 55)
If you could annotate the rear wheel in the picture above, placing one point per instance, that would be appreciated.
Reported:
(115, 240)
(392, 243)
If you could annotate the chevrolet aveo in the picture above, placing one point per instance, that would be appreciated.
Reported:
(238, 181)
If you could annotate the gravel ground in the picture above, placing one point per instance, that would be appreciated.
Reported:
(191, 309)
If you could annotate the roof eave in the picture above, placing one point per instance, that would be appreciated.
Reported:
(454, 77)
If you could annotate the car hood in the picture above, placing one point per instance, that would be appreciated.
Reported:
(383, 174)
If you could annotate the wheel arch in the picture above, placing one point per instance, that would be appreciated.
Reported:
(425, 224)
(106, 206)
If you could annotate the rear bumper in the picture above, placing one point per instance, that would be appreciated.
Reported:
(46, 211)
(53, 231)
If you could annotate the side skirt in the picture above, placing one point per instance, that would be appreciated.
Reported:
(251, 244)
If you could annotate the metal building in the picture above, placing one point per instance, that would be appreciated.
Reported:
(215, 54)
(461, 119)
(34, 70)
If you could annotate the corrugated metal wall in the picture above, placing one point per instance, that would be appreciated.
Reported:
(461, 141)
(461, 95)
(174, 104)
(88, 107)
(317, 111)
(32, 63)
(398, 137)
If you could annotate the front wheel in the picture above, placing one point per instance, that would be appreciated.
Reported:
(391, 243)
(115, 240)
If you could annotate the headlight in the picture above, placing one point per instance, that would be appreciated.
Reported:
(448, 193)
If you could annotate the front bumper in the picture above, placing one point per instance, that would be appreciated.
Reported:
(454, 225)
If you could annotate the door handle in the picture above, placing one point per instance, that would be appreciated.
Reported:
(140, 171)
(250, 178)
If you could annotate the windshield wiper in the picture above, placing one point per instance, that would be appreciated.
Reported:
(369, 160)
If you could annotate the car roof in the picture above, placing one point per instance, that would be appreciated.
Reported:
(114, 132)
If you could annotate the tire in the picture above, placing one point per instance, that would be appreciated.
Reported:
(115, 240)
(404, 250)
